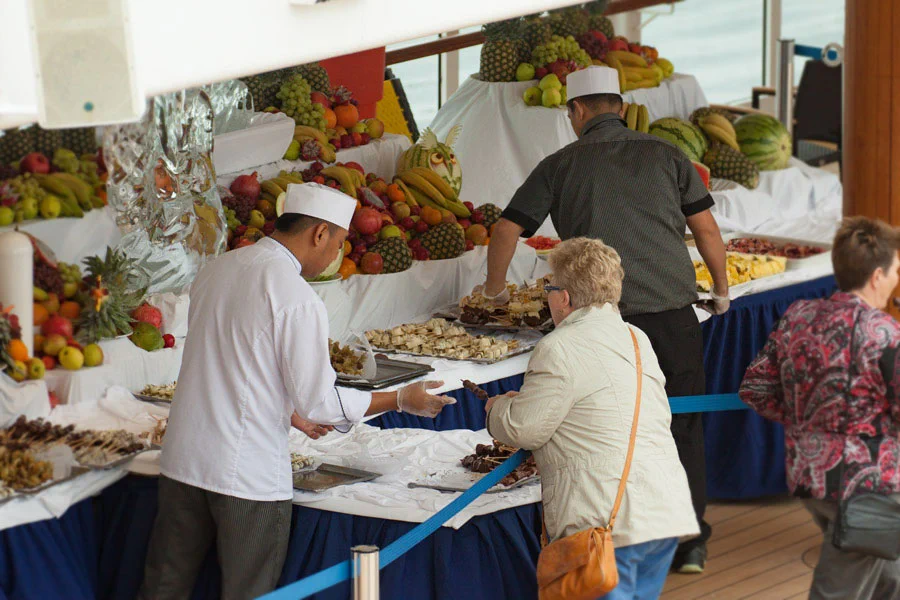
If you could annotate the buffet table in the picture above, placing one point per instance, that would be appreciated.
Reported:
(72, 239)
(502, 139)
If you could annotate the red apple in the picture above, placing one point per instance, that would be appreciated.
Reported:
(366, 138)
(371, 263)
(355, 165)
(57, 324)
(541, 72)
(636, 48)
(320, 98)
(357, 138)
(34, 163)
(346, 141)
(336, 142)
(618, 45)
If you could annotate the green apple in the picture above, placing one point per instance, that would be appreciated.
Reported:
(293, 151)
(29, 208)
(360, 127)
(550, 82)
(564, 95)
(19, 371)
(6, 216)
(71, 358)
(93, 355)
(551, 98)
(50, 207)
(36, 368)
(401, 210)
(70, 288)
(532, 96)
(256, 219)
(525, 72)
(389, 231)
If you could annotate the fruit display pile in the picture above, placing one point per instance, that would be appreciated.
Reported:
(769, 248)
(39, 187)
(72, 313)
(740, 268)
(732, 148)
(327, 119)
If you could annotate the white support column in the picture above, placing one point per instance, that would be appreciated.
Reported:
(450, 70)
(628, 24)
(773, 34)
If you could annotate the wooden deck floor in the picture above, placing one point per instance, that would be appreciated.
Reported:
(764, 550)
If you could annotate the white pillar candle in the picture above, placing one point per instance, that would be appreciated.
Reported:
(16, 283)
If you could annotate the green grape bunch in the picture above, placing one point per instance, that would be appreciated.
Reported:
(560, 48)
(69, 273)
(26, 186)
(295, 103)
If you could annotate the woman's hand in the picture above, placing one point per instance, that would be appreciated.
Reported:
(490, 401)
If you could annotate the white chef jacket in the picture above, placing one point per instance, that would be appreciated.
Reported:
(257, 352)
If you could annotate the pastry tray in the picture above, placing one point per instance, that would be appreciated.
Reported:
(523, 348)
(460, 482)
(328, 476)
(452, 315)
(153, 399)
(389, 372)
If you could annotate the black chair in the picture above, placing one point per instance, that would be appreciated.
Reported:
(817, 114)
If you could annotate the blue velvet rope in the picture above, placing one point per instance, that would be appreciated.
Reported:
(342, 571)
(813, 52)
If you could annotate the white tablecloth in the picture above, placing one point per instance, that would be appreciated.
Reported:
(379, 157)
(75, 239)
(799, 202)
(502, 139)
(401, 455)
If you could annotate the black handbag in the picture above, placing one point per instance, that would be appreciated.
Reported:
(867, 523)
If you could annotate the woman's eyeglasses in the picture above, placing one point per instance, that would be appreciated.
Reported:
(552, 288)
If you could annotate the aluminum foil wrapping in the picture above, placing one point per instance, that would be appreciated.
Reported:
(162, 183)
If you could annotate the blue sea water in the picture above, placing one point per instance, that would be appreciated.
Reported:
(718, 41)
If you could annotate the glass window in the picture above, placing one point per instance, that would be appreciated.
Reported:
(421, 82)
(812, 23)
(718, 42)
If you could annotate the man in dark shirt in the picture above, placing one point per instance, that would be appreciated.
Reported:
(636, 192)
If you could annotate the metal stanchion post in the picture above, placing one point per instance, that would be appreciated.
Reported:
(784, 85)
(365, 573)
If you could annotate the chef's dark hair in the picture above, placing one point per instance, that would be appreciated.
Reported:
(293, 223)
(861, 246)
(598, 102)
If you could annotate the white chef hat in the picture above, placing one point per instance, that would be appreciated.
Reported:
(592, 80)
(320, 201)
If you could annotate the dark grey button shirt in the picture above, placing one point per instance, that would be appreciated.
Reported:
(631, 190)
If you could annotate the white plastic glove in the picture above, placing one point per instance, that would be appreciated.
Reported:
(415, 399)
(716, 305)
(498, 300)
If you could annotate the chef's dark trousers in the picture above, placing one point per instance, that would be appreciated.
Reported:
(251, 539)
(678, 342)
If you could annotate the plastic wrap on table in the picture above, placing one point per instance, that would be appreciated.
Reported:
(162, 184)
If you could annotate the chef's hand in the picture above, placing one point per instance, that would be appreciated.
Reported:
(415, 399)
(312, 430)
(716, 305)
(492, 399)
(499, 299)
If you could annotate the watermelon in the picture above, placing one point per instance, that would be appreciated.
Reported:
(331, 270)
(764, 140)
(686, 136)
(430, 153)
(703, 171)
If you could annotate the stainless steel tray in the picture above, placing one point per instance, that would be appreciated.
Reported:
(389, 372)
(328, 476)
(153, 399)
(461, 482)
(452, 315)
(121, 460)
(522, 349)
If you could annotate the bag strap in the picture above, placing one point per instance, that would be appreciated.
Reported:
(634, 426)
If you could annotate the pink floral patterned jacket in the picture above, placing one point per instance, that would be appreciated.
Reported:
(830, 373)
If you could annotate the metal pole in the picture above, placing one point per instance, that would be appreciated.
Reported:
(365, 573)
(784, 87)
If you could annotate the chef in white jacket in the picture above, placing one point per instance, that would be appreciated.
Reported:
(256, 361)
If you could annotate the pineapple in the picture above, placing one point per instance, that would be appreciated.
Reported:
(491, 214)
(596, 7)
(46, 140)
(603, 25)
(317, 77)
(81, 140)
(537, 32)
(395, 254)
(569, 21)
(727, 163)
(15, 144)
(106, 315)
(502, 29)
(7, 334)
(447, 240)
(119, 273)
(499, 60)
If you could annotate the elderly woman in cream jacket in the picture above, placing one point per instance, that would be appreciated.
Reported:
(575, 413)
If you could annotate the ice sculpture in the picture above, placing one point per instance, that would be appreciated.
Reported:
(162, 183)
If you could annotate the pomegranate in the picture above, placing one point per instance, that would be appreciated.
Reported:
(367, 221)
(57, 324)
(246, 185)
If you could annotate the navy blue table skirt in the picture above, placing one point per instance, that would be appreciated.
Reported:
(98, 548)
(744, 452)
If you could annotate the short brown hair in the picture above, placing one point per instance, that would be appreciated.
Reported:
(589, 270)
(598, 103)
(861, 246)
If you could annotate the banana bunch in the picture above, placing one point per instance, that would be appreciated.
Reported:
(350, 179)
(634, 72)
(427, 188)
(720, 129)
(75, 195)
(303, 133)
(637, 117)
(272, 188)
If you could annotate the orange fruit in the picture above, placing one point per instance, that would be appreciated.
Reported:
(348, 247)
(330, 119)
(346, 115)
(379, 186)
(41, 314)
(17, 350)
(432, 216)
(39, 342)
(395, 194)
(70, 310)
(348, 268)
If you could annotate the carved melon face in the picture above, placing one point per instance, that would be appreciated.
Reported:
(439, 157)
(442, 161)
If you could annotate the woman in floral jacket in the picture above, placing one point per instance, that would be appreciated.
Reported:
(830, 373)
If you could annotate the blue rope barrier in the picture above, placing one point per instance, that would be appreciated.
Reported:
(813, 52)
(342, 571)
